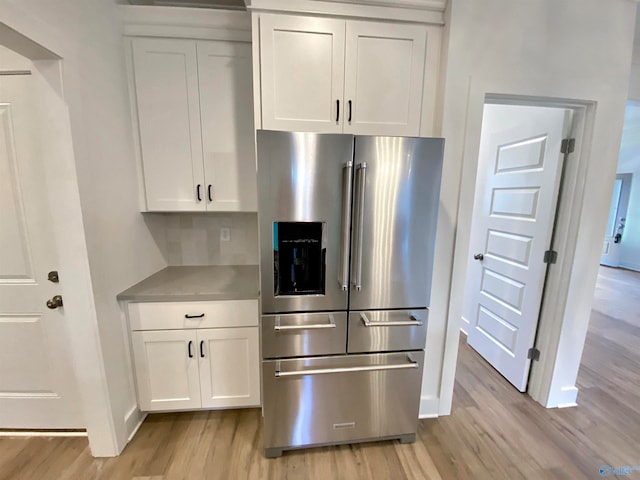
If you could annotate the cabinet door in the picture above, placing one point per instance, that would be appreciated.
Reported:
(166, 364)
(166, 88)
(226, 108)
(229, 367)
(302, 73)
(384, 70)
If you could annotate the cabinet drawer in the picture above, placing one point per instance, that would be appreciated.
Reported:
(387, 331)
(298, 335)
(185, 315)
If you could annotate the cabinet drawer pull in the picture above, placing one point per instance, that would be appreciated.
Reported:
(209, 187)
(201, 348)
(349, 111)
(198, 197)
(189, 349)
(193, 316)
(337, 111)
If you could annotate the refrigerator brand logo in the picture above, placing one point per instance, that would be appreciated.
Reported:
(607, 470)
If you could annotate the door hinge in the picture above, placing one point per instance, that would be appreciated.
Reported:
(550, 256)
(533, 354)
(568, 145)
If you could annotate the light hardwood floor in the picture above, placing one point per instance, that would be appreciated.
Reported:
(494, 432)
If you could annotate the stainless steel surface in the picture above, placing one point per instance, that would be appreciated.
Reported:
(387, 331)
(362, 368)
(55, 302)
(345, 225)
(413, 321)
(300, 180)
(349, 406)
(401, 199)
(298, 335)
(478, 256)
(330, 324)
(358, 215)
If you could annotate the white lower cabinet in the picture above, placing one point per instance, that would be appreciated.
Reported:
(181, 368)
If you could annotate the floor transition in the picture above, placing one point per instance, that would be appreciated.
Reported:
(494, 432)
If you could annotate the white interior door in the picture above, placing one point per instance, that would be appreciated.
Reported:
(614, 234)
(37, 384)
(519, 172)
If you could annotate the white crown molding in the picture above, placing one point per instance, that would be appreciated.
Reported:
(418, 11)
(184, 22)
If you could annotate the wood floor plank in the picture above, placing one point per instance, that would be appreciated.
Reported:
(494, 431)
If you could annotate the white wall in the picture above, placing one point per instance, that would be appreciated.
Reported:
(121, 250)
(575, 49)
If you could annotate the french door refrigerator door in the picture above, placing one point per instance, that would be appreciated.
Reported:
(395, 207)
(304, 191)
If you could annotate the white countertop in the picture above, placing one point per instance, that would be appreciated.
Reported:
(196, 283)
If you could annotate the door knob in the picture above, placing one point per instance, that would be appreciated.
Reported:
(478, 256)
(55, 302)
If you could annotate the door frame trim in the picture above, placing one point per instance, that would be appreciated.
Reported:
(553, 314)
(29, 37)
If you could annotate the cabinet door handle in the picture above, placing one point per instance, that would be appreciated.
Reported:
(337, 111)
(198, 197)
(202, 348)
(349, 111)
(189, 349)
(209, 194)
(194, 316)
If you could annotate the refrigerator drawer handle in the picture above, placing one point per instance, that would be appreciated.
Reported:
(414, 322)
(313, 326)
(358, 210)
(363, 368)
(343, 275)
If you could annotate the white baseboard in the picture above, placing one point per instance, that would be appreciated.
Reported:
(567, 398)
(464, 325)
(133, 420)
(635, 268)
(429, 406)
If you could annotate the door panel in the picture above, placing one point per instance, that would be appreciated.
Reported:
(614, 235)
(519, 174)
(384, 71)
(229, 367)
(37, 385)
(227, 125)
(302, 73)
(166, 364)
(301, 180)
(399, 216)
(166, 79)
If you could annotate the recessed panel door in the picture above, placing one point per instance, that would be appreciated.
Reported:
(519, 174)
(37, 384)
(614, 234)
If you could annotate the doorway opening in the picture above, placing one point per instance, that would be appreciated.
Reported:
(529, 177)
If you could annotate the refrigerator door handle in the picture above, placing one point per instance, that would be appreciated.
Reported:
(361, 177)
(308, 326)
(364, 368)
(413, 322)
(343, 276)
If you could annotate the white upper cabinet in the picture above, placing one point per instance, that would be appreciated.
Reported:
(328, 75)
(302, 73)
(195, 121)
(166, 86)
(384, 78)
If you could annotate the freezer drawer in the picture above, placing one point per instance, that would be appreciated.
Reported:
(326, 400)
(387, 331)
(304, 334)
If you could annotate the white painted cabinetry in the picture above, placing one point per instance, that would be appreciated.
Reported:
(193, 103)
(331, 75)
(181, 365)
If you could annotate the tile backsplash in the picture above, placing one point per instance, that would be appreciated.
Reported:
(197, 238)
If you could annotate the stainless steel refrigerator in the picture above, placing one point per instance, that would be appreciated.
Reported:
(347, 229)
